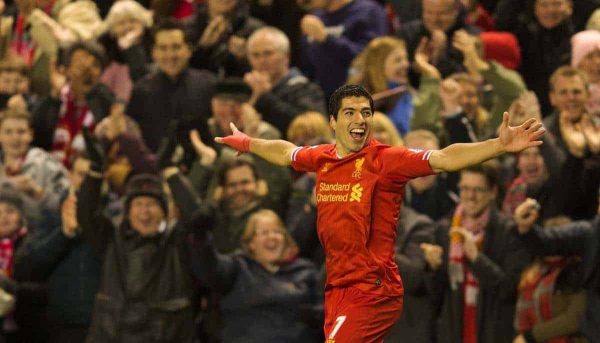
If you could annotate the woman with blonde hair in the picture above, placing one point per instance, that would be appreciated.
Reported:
(382, 68)
(309, 127)
(263, 286)
(385, 131)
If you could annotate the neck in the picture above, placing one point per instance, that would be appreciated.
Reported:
(79, 92)
(10, 159)
(335, 5)
(270, 267)
(276, 78)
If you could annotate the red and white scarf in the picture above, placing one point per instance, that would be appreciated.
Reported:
(7, 251)
(72, 118)
(459, 274)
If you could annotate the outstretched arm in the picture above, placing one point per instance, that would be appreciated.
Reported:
(511, 139)
(275, 151)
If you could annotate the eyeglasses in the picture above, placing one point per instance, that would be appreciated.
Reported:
(476, 190)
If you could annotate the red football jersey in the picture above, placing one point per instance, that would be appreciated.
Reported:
(358, 204)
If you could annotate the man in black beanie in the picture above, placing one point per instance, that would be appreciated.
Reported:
(146, 286)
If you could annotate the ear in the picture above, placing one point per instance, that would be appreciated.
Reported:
(552, 98)
(332, 123)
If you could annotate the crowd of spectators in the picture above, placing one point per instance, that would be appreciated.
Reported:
(122, 221)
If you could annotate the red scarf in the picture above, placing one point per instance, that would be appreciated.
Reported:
(516, 194)
(7, 251)
(72, 117)
(459, 273)
(534, 305)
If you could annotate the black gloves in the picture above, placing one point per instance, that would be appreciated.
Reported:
(94, 150)
(164, 156)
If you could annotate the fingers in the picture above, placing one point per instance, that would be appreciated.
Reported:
(195, 137)
(219, 140)
(423, 45)
(528, 123)
(505, 119)
(234, 129)
(534, 127)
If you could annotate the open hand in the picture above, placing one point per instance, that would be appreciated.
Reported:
(237, 140)
(207, 154)
(313, 27)
(423, 58)
(518, 138)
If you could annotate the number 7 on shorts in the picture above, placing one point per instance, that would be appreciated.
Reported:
(338, 324)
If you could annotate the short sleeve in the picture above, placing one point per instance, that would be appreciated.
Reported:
(402, 164)
(304, 158)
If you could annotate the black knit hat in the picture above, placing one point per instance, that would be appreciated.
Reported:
(12, 197)
(145, 185)
(233, 88)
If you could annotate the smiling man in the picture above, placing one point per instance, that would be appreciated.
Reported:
(360, 186)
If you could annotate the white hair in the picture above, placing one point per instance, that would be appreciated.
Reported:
(129, 9)
(276, 35)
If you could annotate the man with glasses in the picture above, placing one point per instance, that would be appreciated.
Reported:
(359, 189)
(476, 264)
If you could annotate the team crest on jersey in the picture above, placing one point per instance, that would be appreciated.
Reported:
(357, 192)
(326, 167)
(358, 165)
(330, 341)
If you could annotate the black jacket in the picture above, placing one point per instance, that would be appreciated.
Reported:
(256, 305)
(156, 101)
(498, 268)
(292, 96)
(542, 52)
(71, 268)
(146, 285)
(580, 238)
(418, 316)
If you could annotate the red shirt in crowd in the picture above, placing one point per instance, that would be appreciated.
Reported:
(358, 205)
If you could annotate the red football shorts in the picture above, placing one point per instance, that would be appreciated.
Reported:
(353, 316)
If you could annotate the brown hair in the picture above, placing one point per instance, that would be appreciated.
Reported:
(489, 169)
(482, 117)
(290, 249)
(369, 64)
(567, 71)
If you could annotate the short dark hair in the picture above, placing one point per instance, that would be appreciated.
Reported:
(489, 169)
(346, 91)
(90, 47)
(233, 163)
(169, 25)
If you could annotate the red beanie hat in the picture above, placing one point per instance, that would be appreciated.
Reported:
(501, 47)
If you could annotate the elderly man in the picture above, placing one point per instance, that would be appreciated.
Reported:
(278, 92)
